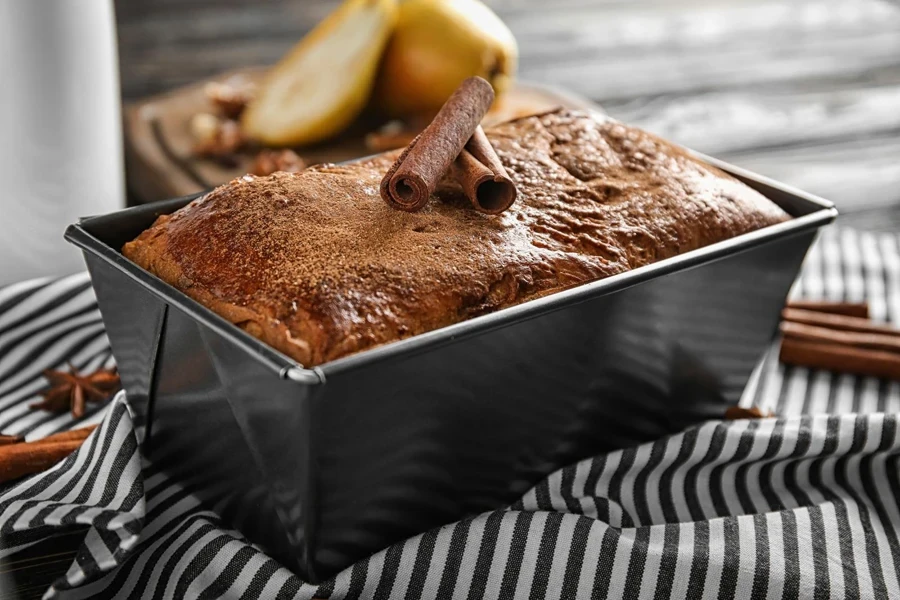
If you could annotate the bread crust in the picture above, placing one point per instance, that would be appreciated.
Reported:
(318, 266)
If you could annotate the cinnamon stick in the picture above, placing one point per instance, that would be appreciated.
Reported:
(79, 434)
(481, 174)
(18, 460)
(840, 358)
(857, 339)
(734, 413)
(850, 309)
(63, 436)
(835, 321)
(411, 180)
(6, 440)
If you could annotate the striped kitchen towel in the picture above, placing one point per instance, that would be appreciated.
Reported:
(800, 506)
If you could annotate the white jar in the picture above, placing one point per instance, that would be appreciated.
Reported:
(60, 130)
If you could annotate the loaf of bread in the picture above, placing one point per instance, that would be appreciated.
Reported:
(319, 267)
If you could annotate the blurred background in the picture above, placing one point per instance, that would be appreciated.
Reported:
(803, 91)
(807, 92)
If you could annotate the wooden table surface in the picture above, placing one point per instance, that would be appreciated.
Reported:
(806, 92)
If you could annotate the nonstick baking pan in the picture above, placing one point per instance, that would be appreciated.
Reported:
(324, 466)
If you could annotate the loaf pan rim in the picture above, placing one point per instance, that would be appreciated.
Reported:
(286, 367)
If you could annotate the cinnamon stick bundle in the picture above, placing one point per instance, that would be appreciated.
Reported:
(454, 138)
(839, 337)
(411, 180)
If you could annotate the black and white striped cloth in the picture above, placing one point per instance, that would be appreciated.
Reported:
(800, 506)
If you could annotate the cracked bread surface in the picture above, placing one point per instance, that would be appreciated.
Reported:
(318, 266)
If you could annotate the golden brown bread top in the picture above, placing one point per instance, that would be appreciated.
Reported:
(316, 264)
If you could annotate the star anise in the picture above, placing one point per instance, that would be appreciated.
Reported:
(71, 390)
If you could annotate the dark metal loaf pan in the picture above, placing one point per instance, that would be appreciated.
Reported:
(325, 466)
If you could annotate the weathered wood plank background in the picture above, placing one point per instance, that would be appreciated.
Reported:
(807, 92)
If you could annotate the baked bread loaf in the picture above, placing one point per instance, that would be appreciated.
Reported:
(318, 266)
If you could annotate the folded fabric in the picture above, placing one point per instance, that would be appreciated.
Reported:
(804, 505)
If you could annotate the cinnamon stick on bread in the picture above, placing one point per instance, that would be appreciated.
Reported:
(482, 176)
(317, 265)
(412, 179)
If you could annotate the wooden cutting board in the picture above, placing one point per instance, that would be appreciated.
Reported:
(158, 143)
